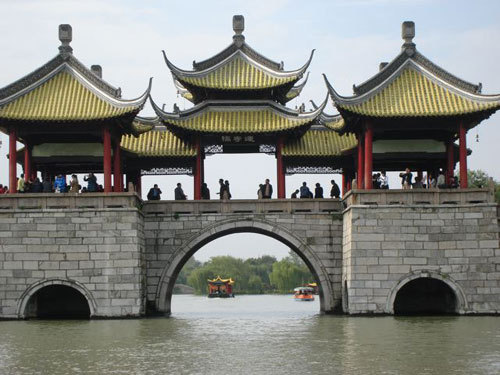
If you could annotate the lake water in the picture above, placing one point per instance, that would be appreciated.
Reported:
(252, 335)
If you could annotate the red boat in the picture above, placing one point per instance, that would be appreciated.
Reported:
(304, 293)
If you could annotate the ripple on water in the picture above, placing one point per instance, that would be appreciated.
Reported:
(252, 335)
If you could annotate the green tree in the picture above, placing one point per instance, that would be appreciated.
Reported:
(477, 178)
(481, 179)
(186, 270)
(287, 275)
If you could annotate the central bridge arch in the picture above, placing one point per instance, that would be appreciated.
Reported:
(243, 225)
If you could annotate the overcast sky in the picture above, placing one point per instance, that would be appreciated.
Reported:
(351, 38)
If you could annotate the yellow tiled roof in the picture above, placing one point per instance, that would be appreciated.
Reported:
(336, 123)
(61, 98)
(238, 74)
(157, 143)
(239, 121)
(413, 94)
(320, 143)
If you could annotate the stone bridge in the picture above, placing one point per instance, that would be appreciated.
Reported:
(113, 255)
(174, 231)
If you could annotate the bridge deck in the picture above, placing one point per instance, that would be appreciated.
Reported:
(356, 197)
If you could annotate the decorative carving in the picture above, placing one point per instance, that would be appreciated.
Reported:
(267, 149)
(289, 170)
(172, 171)
(214, 149)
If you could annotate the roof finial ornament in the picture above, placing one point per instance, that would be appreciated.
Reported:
(238, 27)
(97, 70)
(382, 65)
(408, 33)
(65, 36)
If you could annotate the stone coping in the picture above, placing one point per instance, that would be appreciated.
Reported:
(38, 201)
(243, 206)
(419, 197)
(35, 201)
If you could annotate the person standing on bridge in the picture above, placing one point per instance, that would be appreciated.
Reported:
(205, 191)
(226, 194)
(267, 190)
(154, 193)
(179, 193)
(221, 188)
(318, 191)
(335, 191)
(304, 191)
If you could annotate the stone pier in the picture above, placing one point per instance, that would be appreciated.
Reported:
(393, 237)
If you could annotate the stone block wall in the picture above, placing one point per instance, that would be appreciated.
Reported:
(99, 252)
(171, 239)
(385, 246)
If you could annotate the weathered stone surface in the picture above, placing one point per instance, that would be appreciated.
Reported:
(123, 259)
(420, 242)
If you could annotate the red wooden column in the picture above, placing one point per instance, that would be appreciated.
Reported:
(106, 140)
(198, 170)
(450, 161)
(280, 169)
(463, 156)
(360, 162)
(344, 183)
(117, 168)
(12, 161)
(27, 162)
(368, 157)
(138, 183)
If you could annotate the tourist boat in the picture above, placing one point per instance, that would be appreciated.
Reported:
(314, 286)
(220, 288)
(304, 293)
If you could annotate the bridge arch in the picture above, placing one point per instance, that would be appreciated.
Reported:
(33, 289)
(460, 300)
(242, 225)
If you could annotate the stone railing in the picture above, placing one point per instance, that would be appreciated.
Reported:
(68, 201)
(124, 200)
(418, 197)
(243, 206)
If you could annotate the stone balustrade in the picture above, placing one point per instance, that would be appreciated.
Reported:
(419, 197)
(243, 206)
(68, 201)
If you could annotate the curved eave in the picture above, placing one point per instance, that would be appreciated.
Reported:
(241, 117)
(182, 91)
(433, 97)
(297, 89)
(142, 125)
(205, 79)
(413, 54)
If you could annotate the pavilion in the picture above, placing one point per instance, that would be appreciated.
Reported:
(69, 119)
(409, 114)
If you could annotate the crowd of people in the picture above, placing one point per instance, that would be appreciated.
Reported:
(408, 181)
(265, 191)
(58, 185)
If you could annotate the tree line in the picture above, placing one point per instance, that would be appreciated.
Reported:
(252, 276)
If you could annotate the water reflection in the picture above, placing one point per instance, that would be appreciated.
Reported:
(252, 335)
